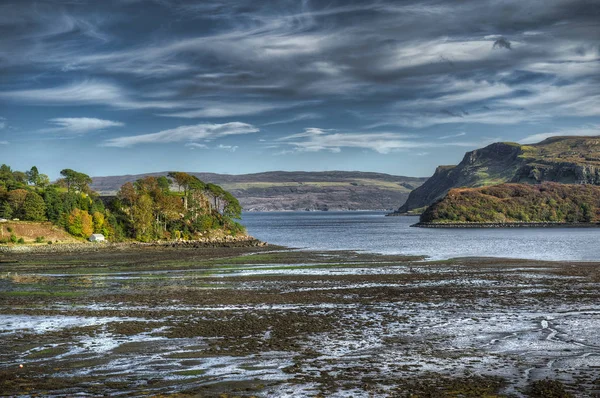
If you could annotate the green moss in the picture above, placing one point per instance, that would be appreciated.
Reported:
(194, 372)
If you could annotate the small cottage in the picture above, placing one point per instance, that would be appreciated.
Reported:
(97, 238)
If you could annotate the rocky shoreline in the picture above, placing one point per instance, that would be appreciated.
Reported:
(228, 241)
(506, 225)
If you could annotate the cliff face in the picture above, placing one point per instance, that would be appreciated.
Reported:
(567, 160)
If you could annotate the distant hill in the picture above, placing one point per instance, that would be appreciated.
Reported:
(509, 203)
(280, 190)
(567, 160)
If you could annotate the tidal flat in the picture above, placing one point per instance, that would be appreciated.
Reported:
(272, 322)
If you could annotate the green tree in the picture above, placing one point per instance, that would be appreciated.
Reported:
(164, 183)
(77, 180)
(16, 198)
(143, 218)
(6, 211)
(33, 176)
(34, 208)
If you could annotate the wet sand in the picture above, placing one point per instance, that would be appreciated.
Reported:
(275, 323)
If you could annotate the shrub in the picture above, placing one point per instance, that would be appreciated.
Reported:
(39, 239)
(13, 238)
(21, 241)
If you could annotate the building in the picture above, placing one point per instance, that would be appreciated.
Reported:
(97, 238)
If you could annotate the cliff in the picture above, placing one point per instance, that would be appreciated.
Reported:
(567, 160)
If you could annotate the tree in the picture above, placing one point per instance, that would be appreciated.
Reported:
(98, 222)
(43, 181)
(80, 223)
(164, 183)
(143, 218)
(79, 181)
(6, 211)
(16, 198)
(33, 176)
(34, 208)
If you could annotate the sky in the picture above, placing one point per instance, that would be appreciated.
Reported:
(118, 87)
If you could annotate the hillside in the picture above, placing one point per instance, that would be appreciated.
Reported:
(509, 203)
(567, 160)
(30, 232)
(278, 190)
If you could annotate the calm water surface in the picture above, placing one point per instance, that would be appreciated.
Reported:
(373, 232)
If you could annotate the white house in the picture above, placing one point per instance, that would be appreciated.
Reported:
(97, 238)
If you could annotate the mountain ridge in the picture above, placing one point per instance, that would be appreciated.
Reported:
(297, 190)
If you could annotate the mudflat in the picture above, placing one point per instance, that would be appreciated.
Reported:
(267, 321)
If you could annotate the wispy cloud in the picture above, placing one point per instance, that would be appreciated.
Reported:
(445, 137)
(591, 130)
(88, 92)
(188, 134)
(227, 109)
(229, 148)
(3, 142)
(297, 118)
(80, 125)
(315, 140)
(2, 123)
(195, 145)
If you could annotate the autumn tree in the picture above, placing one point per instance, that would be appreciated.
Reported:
(80, 223)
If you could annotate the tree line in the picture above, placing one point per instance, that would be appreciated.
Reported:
(149, 209)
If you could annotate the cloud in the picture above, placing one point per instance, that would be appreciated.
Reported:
(3, 142)
(315, 140)
(80, 125)
(228, 109)
(297, 118)
(230, 148)
(86, 93)
(445, 137)
(591, 130)
(194, 145)
(2, 123)
(188, 134)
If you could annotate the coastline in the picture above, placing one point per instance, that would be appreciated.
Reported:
(507, 225)
(83, 247)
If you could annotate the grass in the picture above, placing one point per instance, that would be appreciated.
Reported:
(193, 372)
(47, 352)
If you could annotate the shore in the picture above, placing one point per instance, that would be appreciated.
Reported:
(84, 247)
(266, 321)
(505, 225)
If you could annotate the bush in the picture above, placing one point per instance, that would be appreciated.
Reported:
(21, 241)
(39, 239)
(13, 238)
(9, 229)
(49, 242)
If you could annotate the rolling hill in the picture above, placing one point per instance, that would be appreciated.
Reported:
(279, 190)
(566, 160)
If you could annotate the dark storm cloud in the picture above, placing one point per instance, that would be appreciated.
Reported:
(417, 63)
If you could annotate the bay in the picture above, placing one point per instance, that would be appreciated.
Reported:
(373, 232)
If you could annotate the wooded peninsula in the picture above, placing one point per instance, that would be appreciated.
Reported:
(177, 206)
